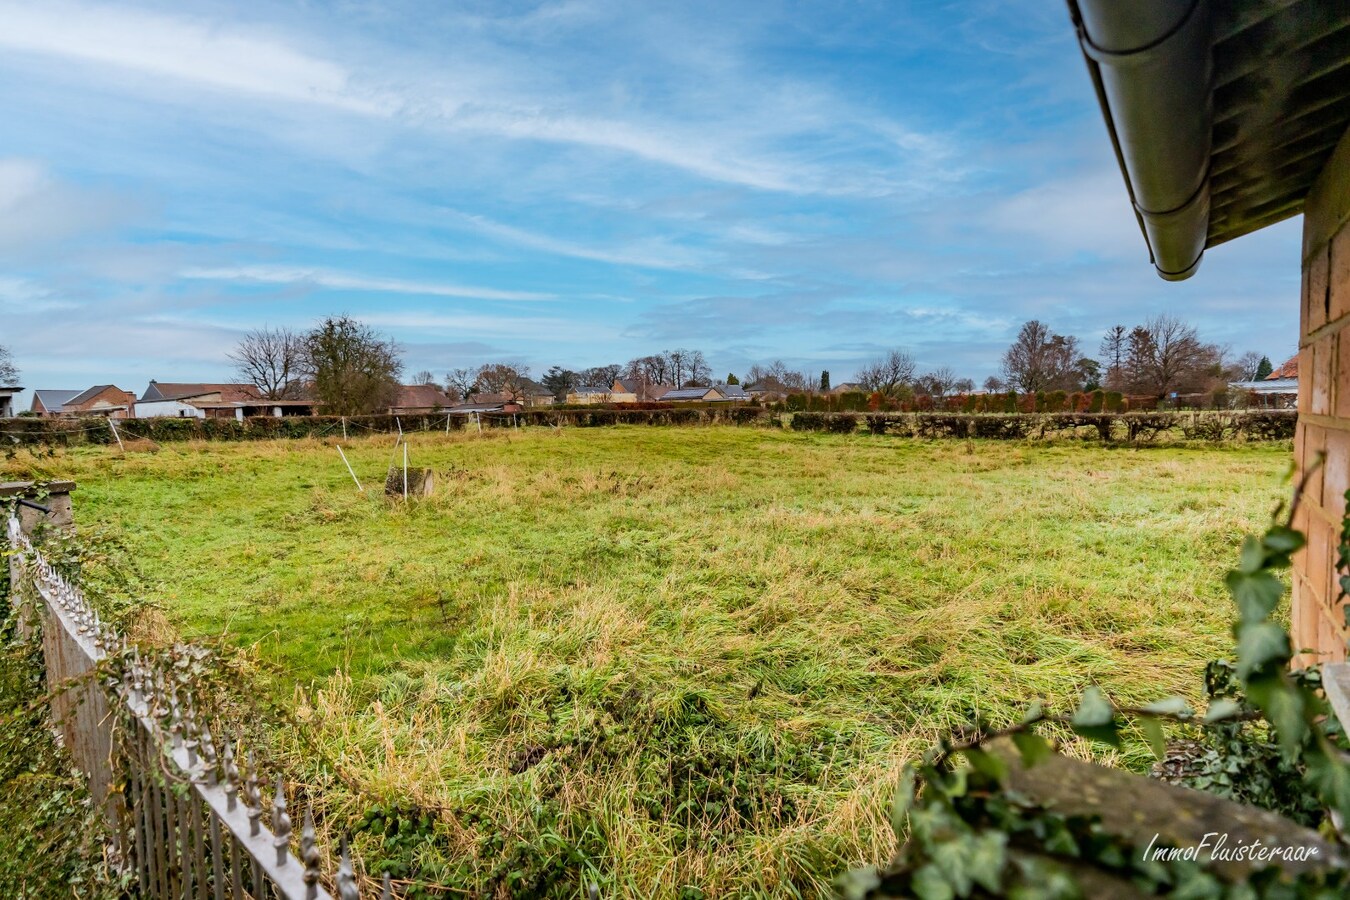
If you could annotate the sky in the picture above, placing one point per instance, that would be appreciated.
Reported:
(575, 182)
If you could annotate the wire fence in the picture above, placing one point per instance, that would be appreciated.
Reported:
(188, 817)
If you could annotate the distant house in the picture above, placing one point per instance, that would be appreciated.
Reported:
(638, 390)
(414, 399)
(532, 393)
(848, 387)
(695, 395)
(48, 402)
(102, 400)
(193, 400)
(599, 393)
(733, 392)
(7, 400)
(1289, 369)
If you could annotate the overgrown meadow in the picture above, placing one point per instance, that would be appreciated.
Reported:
(675, 662)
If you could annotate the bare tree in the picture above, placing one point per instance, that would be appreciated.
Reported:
(273, 359)
(9, 373)
(888, 374)
(1040, 360)
(1246, 366)
(354, 370)
(964, 385)
(459, 383)
(1114, 349)
(1165, 355)
(938, 383)
(993, 384)
(424, 377)
(504, 379)
(600, 376)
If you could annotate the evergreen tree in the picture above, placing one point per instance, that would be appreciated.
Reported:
(1264, 368)
(732, 379)
(825, 381)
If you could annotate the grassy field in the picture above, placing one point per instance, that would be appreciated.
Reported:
(679, 662)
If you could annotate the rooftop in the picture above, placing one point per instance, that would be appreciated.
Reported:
(1222, 112)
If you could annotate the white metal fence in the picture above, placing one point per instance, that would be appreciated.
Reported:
(189, 818)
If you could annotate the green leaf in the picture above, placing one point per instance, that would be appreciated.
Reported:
(1221, 709)
(1257, 594)
(928, 884)
(1252, 559)
(1260, 644)
(1032, 746)
(1095, 719)
(987, 764)
(1157, 740)
(1169, 706)
(1093, 709)
(1283, 540)
(1035, 711)
(1282, 704)
(1329, 776)
(988, 856)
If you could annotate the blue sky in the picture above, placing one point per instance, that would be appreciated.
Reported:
(574, 182)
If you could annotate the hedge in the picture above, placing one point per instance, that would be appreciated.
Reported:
(1260, 425)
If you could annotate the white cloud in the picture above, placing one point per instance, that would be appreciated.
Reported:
(347, 282)
(37, 209)
(180, 48)
(732, 132)
(651, 254)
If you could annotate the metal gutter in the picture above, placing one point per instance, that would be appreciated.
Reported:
(1152, 65)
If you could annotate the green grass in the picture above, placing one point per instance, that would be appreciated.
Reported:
(672, 659)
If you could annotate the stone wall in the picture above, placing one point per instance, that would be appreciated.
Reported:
(1324, 409)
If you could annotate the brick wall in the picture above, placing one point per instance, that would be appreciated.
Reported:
(1324, 409)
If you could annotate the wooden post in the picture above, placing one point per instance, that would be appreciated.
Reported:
(120, 445)
(477, 417)
(405, 471)
(344, 428)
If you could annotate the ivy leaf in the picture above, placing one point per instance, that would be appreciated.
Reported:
(1260, 644)
(987, 764)
(1282, 703)
(1252, 559)
(1330, 777)
(1169, 706)
(1153, 730)
(987, 858)
(1221, 709)
(1095, 719)
(1257, 594)
(928, 884)
(1032, 746)
(1035, 711)
(1282, 540)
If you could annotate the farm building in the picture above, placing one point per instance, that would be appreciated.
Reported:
(1228, 117)
(102, 400)
(638, 390)
(48, 402)
(413, 399)
(695, 395)
(596, 393)
(7, 400)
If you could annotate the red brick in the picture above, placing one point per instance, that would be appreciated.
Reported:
(1305, 367)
